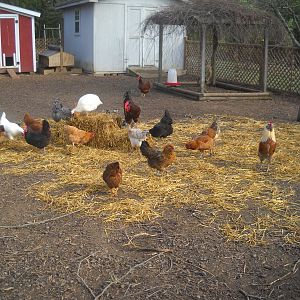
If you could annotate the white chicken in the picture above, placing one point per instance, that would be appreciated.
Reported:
(136, 136)
(10, 129)
(87, 103)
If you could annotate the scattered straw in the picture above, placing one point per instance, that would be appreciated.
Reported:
(247, 203)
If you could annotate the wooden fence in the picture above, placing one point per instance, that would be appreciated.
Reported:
(42, 44)
(242, 64)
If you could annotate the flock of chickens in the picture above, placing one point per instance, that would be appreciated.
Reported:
(37, 133)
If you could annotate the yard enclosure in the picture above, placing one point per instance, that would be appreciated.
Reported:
(242, 64)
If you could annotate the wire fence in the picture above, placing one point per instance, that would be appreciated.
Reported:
(243, 64)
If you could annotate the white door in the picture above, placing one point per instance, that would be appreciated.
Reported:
(149, 43)
(134, 44)
(141, 46)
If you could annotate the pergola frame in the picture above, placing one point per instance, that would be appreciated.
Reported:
(251, 18)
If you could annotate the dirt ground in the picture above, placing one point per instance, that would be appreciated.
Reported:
(175, 256)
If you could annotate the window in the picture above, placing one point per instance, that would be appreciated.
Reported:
(77, 21)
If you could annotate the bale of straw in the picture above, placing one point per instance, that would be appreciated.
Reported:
(107, 129)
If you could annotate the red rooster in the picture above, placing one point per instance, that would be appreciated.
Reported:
(131, 110)
(144, 85)
(267, 144)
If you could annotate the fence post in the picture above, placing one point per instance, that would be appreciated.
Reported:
(202, 47)
(213, 56)
(160, 52)
(265, 65)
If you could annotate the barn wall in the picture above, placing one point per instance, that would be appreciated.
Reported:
(80, 45)
(25, 32)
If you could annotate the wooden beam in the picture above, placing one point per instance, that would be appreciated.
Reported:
(237, 94)
(160, 52)
(234, 87)
(213, 56)
(179, 91)
(265, 64)
(202, 47)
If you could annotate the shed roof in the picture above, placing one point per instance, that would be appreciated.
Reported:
(20, 10)
(70, 3)
(229, 15)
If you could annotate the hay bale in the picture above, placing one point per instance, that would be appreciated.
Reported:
(107, 129)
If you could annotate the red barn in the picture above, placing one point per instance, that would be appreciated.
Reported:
(17, 38)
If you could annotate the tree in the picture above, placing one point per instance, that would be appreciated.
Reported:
(288, 12)
(49, 15)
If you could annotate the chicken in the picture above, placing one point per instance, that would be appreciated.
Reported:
(87, 103)
(144, 85)
(112, 176)
(38, 139)
(1, 128)
(213, 131)
(136, 136)
(131, 110)
(158, 159)
(78, 136)
(10, 129)
(267, 144)
(202, 143)
(33, 124)
(59, 112)
(164, 127)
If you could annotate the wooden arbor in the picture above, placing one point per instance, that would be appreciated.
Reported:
(203, 17)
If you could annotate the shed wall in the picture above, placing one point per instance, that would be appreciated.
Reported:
(80, 45)
(107, 43)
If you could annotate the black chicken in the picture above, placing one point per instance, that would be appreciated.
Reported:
(164, 127)
(59, 112)
(38, 139)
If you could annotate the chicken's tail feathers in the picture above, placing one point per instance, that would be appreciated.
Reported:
(167, 119)
(3, 117)
(144, 148)
(46, 127)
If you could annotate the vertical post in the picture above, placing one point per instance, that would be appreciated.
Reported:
(265, 63)
(213, 57)
(184, 53)
(202, 46)
(160, 52)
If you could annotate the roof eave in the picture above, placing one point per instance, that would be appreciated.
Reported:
(76, 3)
(20, 10)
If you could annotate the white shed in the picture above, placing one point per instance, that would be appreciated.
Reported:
(106, 36)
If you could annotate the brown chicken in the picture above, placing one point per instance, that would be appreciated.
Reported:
(144, 85)
(213, 131)
(34, 124)
(267, 144)
(78, 136)
(157, 159)
(112, 176)
(202, 143)
(131, 110)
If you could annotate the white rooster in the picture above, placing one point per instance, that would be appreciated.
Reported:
(10, 129)
(136, 136)
(87, 103)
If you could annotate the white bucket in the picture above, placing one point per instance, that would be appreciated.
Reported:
(172, 76)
